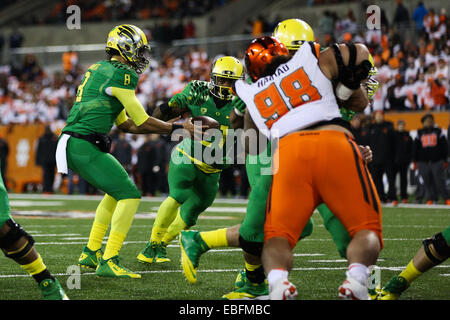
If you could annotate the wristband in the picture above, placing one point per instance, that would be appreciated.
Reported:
(342, 92)
(164, 108)
(238, 113)
(176, 126)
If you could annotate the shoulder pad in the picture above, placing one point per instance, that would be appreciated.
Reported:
(121, 66)
(199, 83)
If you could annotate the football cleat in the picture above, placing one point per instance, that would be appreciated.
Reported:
(373, 293)
(161, 253)
(148, 254)
(283, 290)
(52, 290)
(153, 252)
(112, 268)
(241, 280)
(192, 247)
(393, 289)
(248, 290)
(352, 289)
(89, 259)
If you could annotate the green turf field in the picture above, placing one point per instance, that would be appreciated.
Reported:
(318, 269)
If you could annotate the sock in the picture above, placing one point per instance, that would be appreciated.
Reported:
(255, 273)
(157, 234)
(103, 216)
(216, 238)
(115, 241)
(174, 229)
(35, 268)
(410, 273)
(276, 274)
(42, 276)
(359, 272)
(96, 236)
(166, 214)
(120, 225)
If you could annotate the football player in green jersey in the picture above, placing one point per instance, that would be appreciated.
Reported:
(17, 245)
(433, 251)
(194, 181)
(250, 284)
(106, 96)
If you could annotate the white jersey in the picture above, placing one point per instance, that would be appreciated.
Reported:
(297, 96)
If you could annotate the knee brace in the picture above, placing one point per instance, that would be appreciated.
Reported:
(441, 248)
(251, 247)
(12, 236)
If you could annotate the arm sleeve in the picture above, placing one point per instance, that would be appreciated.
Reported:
(131, 104)
(121, 118)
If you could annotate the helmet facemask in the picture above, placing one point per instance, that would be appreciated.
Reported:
(221, 87)
(143, 59)
(224, 73)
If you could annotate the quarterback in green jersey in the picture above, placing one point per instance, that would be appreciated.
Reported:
(249, 235)
(106, 97)
(193, 178)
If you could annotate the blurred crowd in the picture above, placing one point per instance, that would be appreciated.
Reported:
(29, 95)
(418, 158)
(113, 10)
(411, 52)
(413, 75)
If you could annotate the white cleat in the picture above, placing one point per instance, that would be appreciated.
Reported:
(282, 290)
(352, 289)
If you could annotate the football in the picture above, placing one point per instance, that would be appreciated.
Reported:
(206, 121)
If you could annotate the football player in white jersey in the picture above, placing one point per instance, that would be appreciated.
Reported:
(292, 99)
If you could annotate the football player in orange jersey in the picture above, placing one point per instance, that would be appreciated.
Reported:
(250, 283)
(329, 169)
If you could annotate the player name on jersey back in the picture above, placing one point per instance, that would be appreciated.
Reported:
(297, 96)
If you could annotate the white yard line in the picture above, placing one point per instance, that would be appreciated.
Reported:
(128, 242)
(216, 270)
(98, 198)
(217, 200)
(91, 215)
(28, 203)
(55, 235)
(333, 261)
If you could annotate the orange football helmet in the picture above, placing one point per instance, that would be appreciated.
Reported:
(260, 53)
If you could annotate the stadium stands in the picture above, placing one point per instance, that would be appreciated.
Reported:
(413, 63)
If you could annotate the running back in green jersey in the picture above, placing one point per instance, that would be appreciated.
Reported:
(206, 106)
(94, 110)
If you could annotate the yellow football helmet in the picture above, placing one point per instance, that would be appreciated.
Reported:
(130, 43)
(371, 83)
(224, 72)
(293, 32)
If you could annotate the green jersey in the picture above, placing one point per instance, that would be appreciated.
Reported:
(95, 110)
(206, 106)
